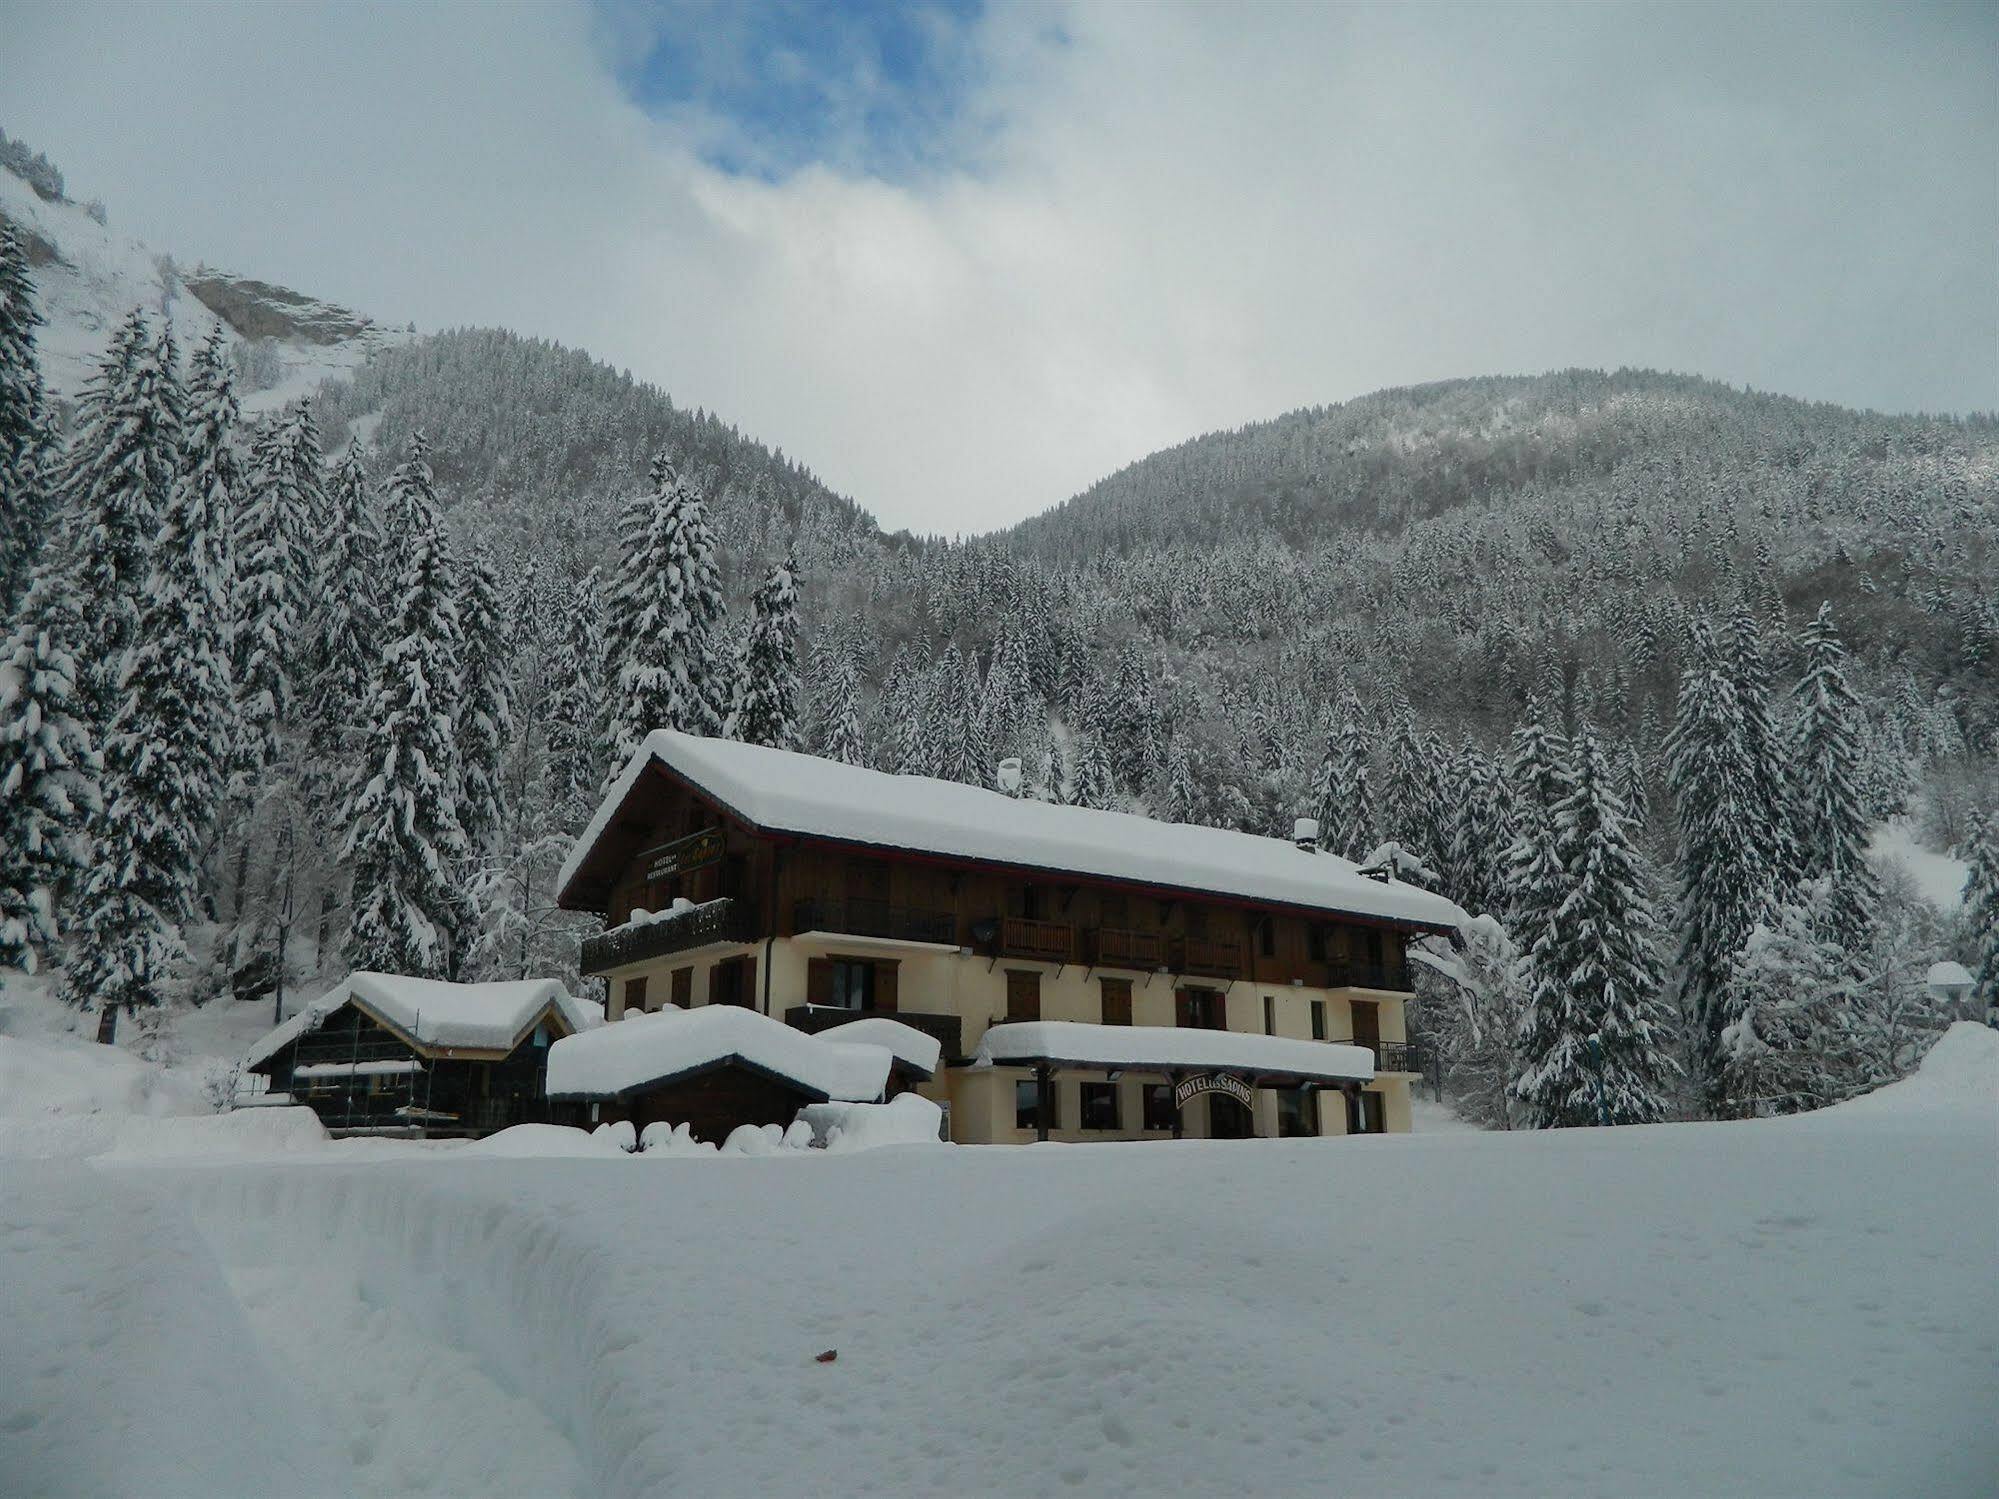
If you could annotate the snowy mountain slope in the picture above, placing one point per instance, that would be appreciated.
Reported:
(1741, 1308)
(88, 277)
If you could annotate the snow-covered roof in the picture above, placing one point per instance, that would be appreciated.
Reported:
(783, 792)
(915, 1049)
(1163, 1048)
(644, 1051)
(433, 1013)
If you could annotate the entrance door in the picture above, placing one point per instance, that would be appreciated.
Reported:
(1367, 1026)
(1227, 1119)
(1372, 1119)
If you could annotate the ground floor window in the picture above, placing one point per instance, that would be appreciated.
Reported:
(1159, 1109)
(1027, 1105)
(853, 984)
(1295, 1113)
(635, 995)
(1100, 1106)
(1229, 1120)
(1373, 1119)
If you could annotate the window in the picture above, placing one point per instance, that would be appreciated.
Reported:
(1266, 937)
(1027, 1105)
(1318, 1020)
(1270, 1014)
(683, 987)
(1372, 939)
(1372, 1120)
(635, 995)
(1100, 1106)
(1296, 1115)
(729, 982)
(1200, 1010)
(1023, 995)
(1117, 1001)
(1315, 942)
(853, 984)
(1158, 1105)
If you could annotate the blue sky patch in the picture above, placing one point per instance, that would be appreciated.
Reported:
(863, 85)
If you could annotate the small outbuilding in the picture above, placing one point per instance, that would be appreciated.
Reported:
(382, 1053)
(711, 1068)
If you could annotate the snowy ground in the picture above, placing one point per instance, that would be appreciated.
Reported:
(1800, 1307)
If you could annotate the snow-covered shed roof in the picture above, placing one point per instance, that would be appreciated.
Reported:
(439, 1016)
(1162, 1048)
(642, 1052)
(917, 1050)
(779, 791)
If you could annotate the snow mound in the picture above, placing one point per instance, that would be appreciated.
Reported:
(1959, 1076)
(664, 1139)
(642, 1051)
(249, 1132)
(913, 1048)
(906, 1119)
(541, 1140)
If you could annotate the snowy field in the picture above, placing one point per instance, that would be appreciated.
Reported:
(1798, 1307)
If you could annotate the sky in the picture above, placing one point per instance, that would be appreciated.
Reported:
(962, 259)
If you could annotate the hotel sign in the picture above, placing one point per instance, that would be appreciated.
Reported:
(683, 855)
(1191, 1088)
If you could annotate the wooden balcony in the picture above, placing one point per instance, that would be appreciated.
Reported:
(1043, 941)
(1115, 947)
(1353, 973)
(718, 921)
(948, 1029)
(857, 916)
(1210, 957)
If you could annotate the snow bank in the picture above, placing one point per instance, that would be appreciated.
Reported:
(527, 1141)
(39, 1078)
(1154, 1048)
(641, 1051)
(801, 794)
(906, 1119)
(249, 1132)
(1960, 1075)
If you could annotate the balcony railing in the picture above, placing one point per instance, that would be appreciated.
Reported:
(1211, 957)
(725, 920)
(1046, 941)
(948, 1029)
(1392, 1056)
(858, 916)
(1359, 974)
(1114, 947)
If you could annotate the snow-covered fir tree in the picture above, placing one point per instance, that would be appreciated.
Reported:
(485, 710)
(1538, 770)
(1725, 883)
(840, 737)
(341, 638)
(665, 618)
(405, 842)
(26, 439)
(1590, 1047)
(1981, 914)
(1764, 748)
(275, 530)
(767, 690)
(1826, 812)
(118, 474)
(1792, 983)
(1181, 802)
(578, 730)
(49, 772)
(1342, 797)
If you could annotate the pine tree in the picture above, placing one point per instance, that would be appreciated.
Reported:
(1538, 770)
(767, 691)
(1182, 798)
(1792, 986)
(275, 528)
(841, 738)
(1591, 1051)
(26, 438)
(49, 771)
(404, 839)
(342, 642)
(1725, 885)
(126, 947)
(1765, 749)
(666, 612)
(578, 731)
(1981, 913)
(1824, 779)
(119, 472)
(1342, 798)
(485, 710)
(1092, 781)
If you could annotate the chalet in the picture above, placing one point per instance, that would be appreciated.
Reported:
(385, 1054)
(1087, 975)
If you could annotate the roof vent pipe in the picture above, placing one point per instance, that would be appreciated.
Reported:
(1305, 833)
(1007, 775)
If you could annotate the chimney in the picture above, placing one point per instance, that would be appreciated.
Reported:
(1305, 833)
(1007, 775)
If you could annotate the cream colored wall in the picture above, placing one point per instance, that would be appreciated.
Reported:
(974, 989)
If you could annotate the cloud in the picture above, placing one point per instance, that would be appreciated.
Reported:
(1139, 223)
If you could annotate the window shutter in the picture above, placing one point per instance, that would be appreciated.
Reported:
(635, 994)
(683, 987)
(1183, 1007)
(750, 999)
(886, 983)
(819, 981)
